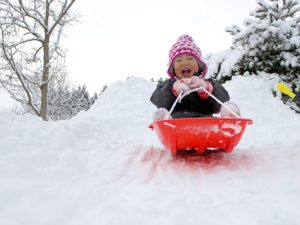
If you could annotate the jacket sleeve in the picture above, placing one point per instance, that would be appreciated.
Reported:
(220, 93)
(163, 97)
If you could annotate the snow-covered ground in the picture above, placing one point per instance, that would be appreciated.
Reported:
(106, 167)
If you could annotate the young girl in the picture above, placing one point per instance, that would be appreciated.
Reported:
(187, 72)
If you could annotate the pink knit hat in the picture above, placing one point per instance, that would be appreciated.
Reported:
(186, 45)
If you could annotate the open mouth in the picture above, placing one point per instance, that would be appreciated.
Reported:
(186, 72)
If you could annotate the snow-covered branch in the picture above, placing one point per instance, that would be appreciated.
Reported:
(30, 39)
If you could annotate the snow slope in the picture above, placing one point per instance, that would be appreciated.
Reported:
(106, 167)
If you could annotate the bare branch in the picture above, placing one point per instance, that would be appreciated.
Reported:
(62, 13)
(32, 16)
(31, 33)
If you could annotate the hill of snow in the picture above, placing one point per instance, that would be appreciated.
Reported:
(106, 167)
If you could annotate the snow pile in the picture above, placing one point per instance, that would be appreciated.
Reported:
(106, 167)
(275, 125)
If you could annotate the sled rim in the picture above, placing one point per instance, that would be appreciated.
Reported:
(212, 133)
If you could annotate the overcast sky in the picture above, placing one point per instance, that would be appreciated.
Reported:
(120, 38)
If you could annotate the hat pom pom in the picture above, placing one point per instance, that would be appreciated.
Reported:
(185, 38)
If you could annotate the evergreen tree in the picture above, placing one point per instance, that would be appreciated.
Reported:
(67, 103)
(160, 80)
(103, 88)
(270, 41)
(79, 99)
(58, 97)
(93, 99)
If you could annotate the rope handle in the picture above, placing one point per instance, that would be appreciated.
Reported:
(181, 96)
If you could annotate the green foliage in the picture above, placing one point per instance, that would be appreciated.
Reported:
(270, 41)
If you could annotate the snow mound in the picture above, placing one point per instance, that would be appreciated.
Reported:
(275, 124)
(106, 167)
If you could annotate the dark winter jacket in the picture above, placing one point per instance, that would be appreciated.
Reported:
(191, 105)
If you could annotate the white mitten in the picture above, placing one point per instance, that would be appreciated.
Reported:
(161, 114)
(233, 107)
(181, 86)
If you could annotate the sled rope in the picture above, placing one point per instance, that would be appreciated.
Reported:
(181, 96)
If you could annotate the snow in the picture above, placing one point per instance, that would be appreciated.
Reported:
(106, 167)
(6, 103)
(226, 60)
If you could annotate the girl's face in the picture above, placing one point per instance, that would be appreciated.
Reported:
(185, 66)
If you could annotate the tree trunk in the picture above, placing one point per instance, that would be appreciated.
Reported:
(44, 86)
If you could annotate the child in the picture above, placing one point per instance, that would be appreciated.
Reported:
(187, 72)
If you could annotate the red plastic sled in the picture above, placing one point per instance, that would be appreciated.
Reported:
(200, 134)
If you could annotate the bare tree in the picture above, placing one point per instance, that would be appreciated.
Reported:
(30, 37)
